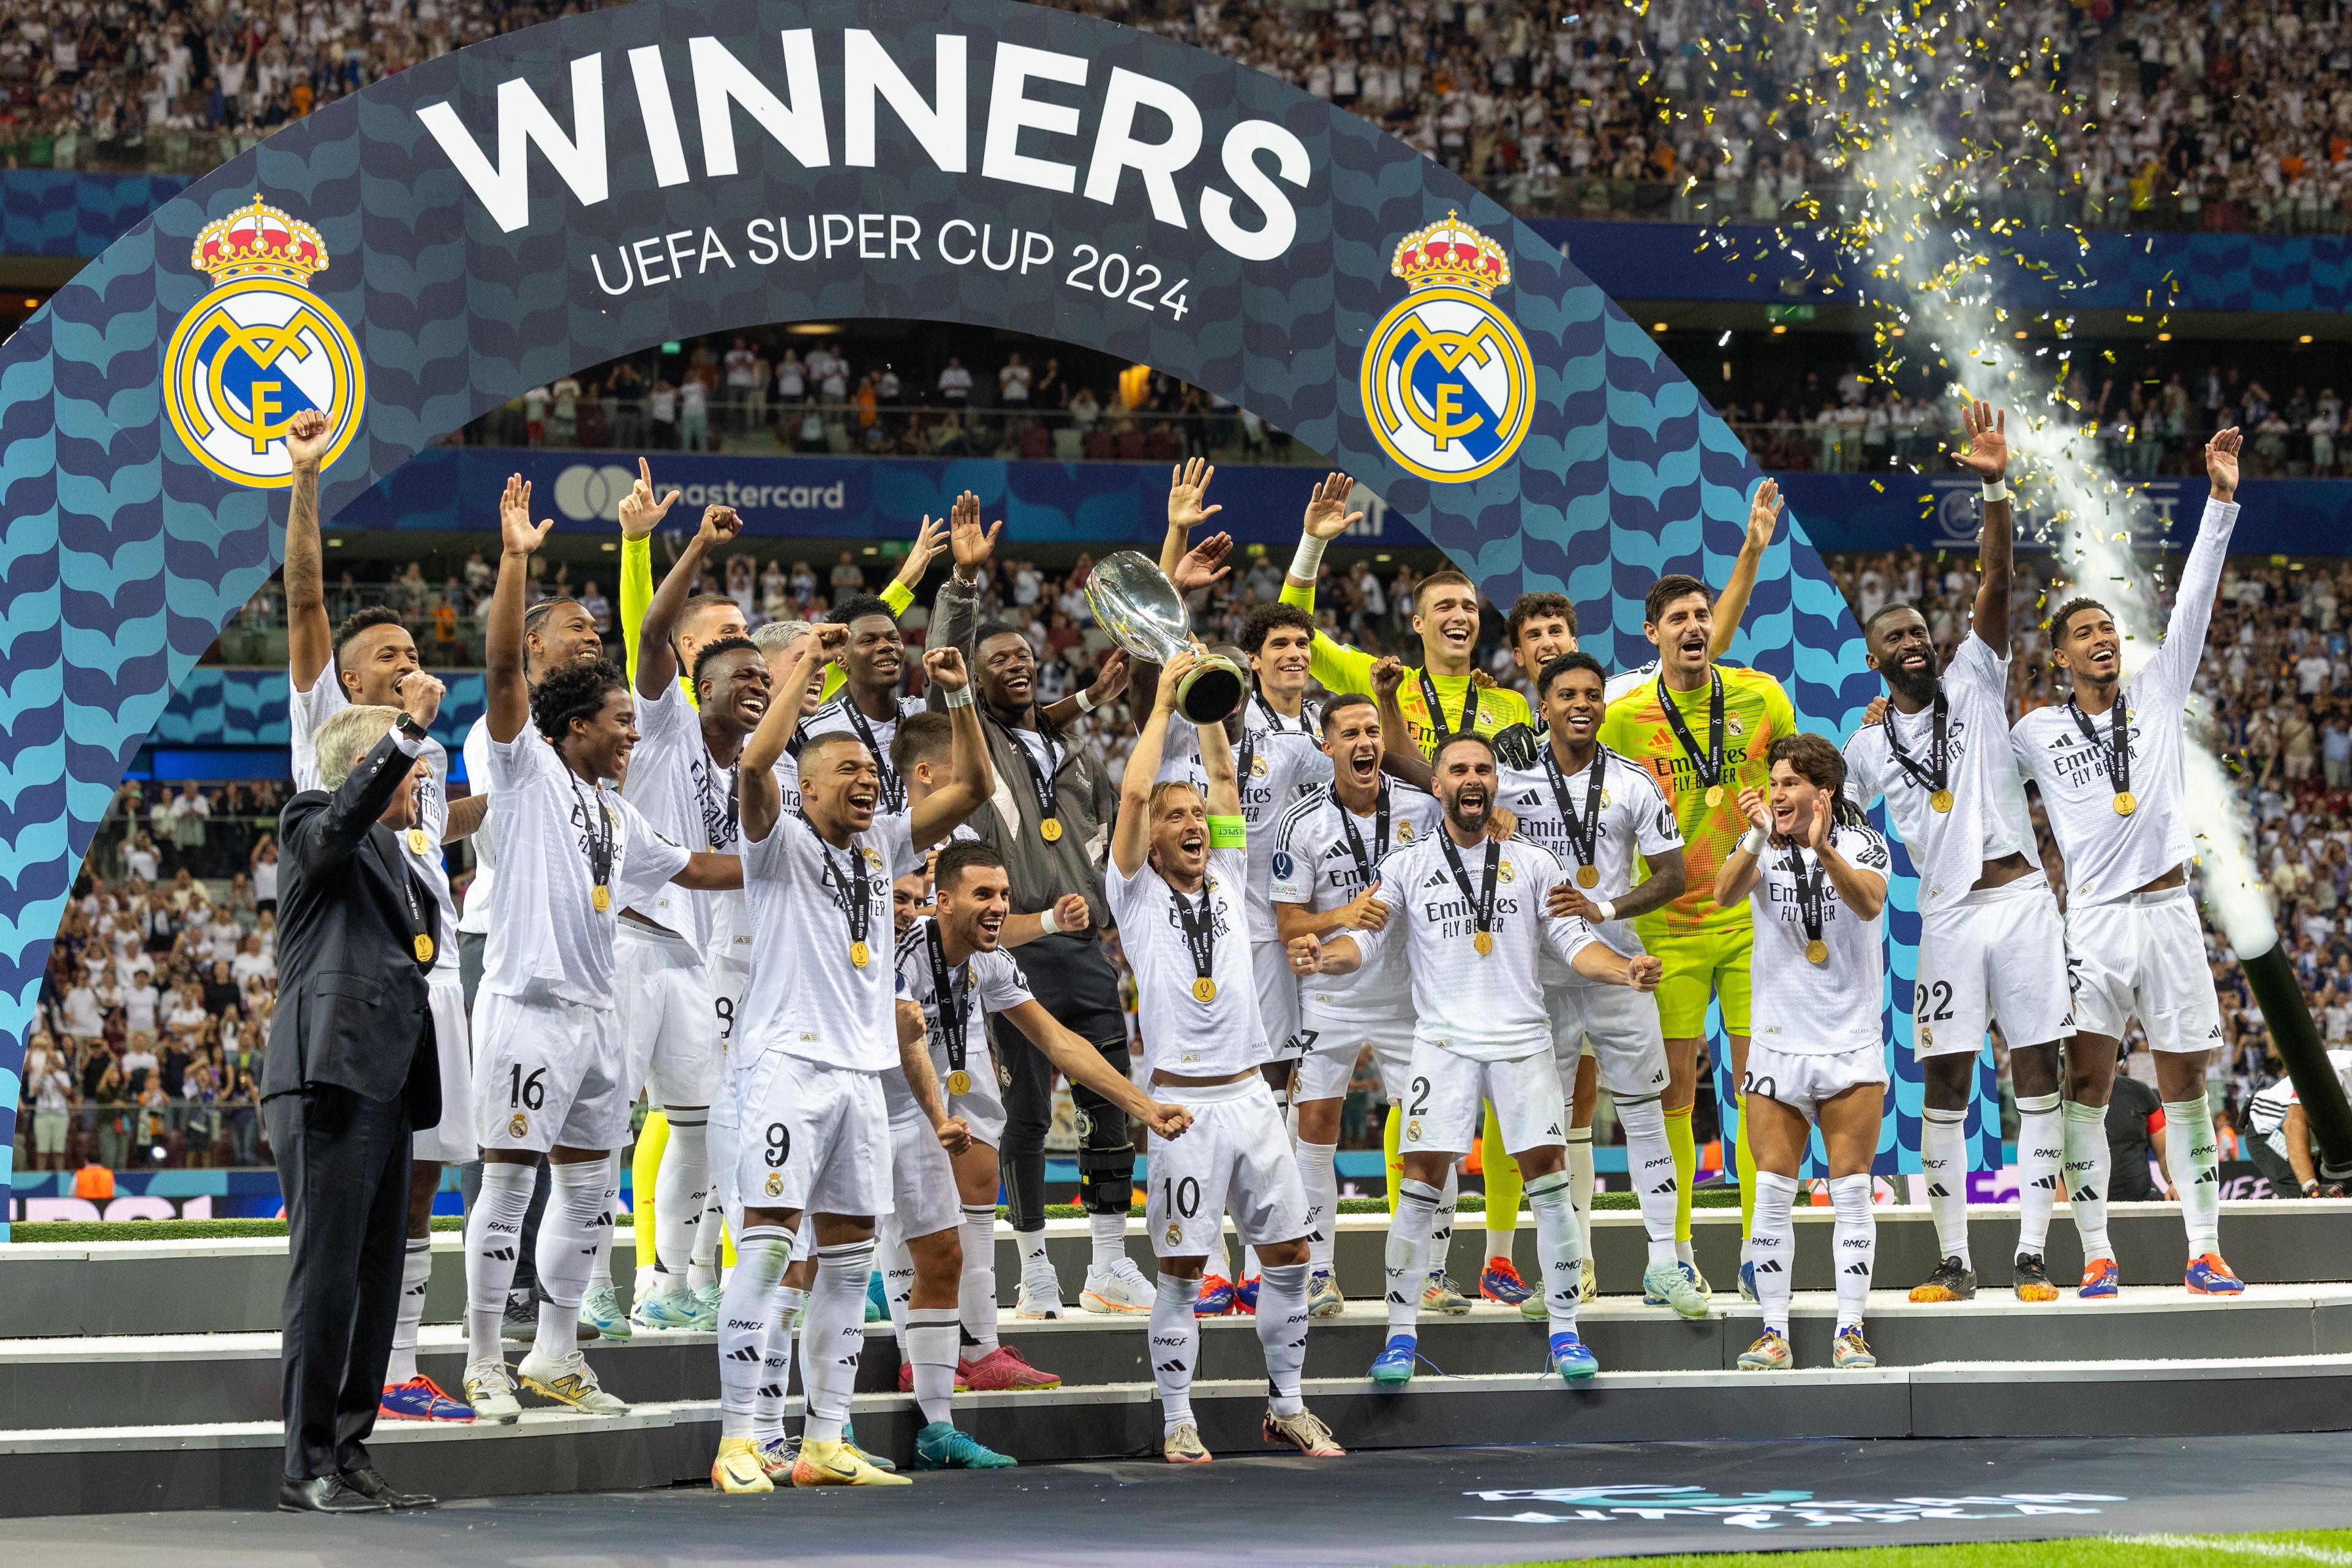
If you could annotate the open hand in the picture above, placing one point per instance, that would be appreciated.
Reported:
(1757, 807)
(1987, 429)
(1202, 565)
(2221, 463)
(1328, 516)
(516, 535)
(969, 544)
(1188, 485)
(1763, 513)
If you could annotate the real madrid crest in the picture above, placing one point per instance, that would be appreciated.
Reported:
(260, 349)
(1448, 384)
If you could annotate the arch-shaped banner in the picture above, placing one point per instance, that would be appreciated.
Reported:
(486, 221)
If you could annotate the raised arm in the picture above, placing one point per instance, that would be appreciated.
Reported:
(322, 839)
(969, 778)
(1338, 666)
(2201, 577)
(309, 639)
(640, 513)
(1217, 761)
(898, 593)
(502, 644)
(1188, 485)
(1130, 836)
(1400, 758)
(1731, 605)
(760, 800)
(955, 611)
(1743, 862)
(1986, 456)
(656, 655)
(466, 816)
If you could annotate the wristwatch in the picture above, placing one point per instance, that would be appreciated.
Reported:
(408, 726)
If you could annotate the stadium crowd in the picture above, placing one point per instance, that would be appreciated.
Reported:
(2156, 113)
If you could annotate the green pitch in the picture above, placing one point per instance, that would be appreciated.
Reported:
(2291, 1549)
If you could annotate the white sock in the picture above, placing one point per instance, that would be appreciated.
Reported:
(567, 1231)
(1560, 1248)
(776, 1359)
(1409, 1229)
(1175, 1347)
(929, 1338)
(898, 1279)
(1683, 1253)
(1944, 1162)
(976, 1290)
(1652, 1165)
(1033, 1252)
(1580, 1178)
(2041, 1151)
(1250, 1266)
(600, 1255)
(2193, 1154)
(1441, 1224)
(1775, 1255)
(681, 1192)
(834, 1338)
(1502, 1230)
(2087, 1176)
(1322, 1184)
(1857, 1244)
(750, 1380)
(1282, 1333)
(709, 1232)
(493, 1243)
(415, 1274)
(1109, 1233)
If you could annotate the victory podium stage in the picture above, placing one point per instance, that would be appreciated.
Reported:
(144, 1374)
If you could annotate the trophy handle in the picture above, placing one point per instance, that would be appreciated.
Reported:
(1212, 692)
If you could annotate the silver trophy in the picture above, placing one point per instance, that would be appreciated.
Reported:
(1135, 603)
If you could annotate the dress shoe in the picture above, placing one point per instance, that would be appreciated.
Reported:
(326, 1494)
(368, 1481)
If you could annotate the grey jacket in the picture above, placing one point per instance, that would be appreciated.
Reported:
(1085, 801)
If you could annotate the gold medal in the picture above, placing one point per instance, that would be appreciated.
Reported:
(1205, 989)
(1484, 941)
(860, 954)
(1817, 951)
(1715, 795)
(1050, 831)
(1941, 802)
(600, 898)
(959, 1082)
(2125, 802)
(416, 841)
(1587, 876)
(423, 948)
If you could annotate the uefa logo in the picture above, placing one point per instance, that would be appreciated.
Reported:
(260, 349)
(1448, 383)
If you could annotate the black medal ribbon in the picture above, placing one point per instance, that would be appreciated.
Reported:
(1200, 930)
(1307, 725)
(420, 933)
(1810, 897)
(894, 788)
(1437, 709)
(954, 1001)
(1048, 802)
(2117, 747)
(1366, 861)
(855, 894)
(597, 828)
(1935, 774)
(1583, 833)
(1244, 757)
(1482, 902)
(1709, 768)
(721, 827)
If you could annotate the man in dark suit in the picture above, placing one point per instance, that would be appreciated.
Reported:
(352, 1069)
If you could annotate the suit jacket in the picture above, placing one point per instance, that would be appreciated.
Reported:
(352, 1008)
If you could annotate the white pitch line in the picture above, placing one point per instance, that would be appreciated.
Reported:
(2278, 1551)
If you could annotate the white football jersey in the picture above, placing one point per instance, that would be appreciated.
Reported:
(1800, 1006)
(1635, 818)
(807, 997)
(306, 711)
(987, 982)
(1490, 1007)
(1989, 818)
(1316, 864)
(546, 938)
(2110, 855)
(1182, 1034)
(476, 921)
(1284, 761)
(841, 715)
(691, 800)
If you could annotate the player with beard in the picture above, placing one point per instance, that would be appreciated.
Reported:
(1815, 874)
(549, 1066)
(1177, 885)
(1472, 916)
(873, 698)
(1991, 942)
(369, 662)
(688, 954)
(2108, 762)
(1597, 813)
(944, 1121)
(1328, 851)
(1701, 728)
(1050, 818)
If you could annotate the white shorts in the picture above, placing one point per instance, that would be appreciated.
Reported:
(1235, 1156)
(669, 1026)
(451, 1142)
(1999, 953)
(2142, 957)
(811, 1137)
(1802, 1080)
(548, 1073)
(1442, 1113)
(1277, 998)
(1619, 1026)
(922, 1178)
(729, 982)
(1332, 1048)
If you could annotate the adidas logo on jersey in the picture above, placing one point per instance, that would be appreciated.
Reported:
(1438, 879)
